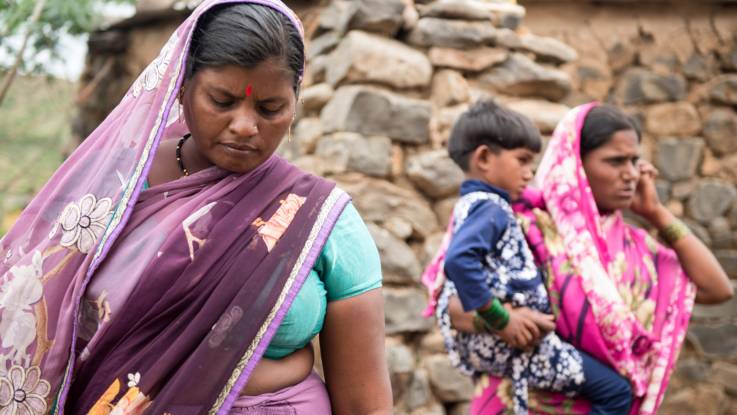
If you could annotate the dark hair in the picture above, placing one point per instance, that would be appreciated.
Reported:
(601, 123)
(486, 123)
(245, 35)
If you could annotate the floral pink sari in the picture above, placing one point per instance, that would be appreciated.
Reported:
(616, 292)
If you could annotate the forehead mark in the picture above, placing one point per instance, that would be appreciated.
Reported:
(249, 90)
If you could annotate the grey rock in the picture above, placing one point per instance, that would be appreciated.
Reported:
(711, 199)
(315, 97)
(692, 370)
(374, 111)
(431, 31)
(698, 399)
(505, 14)
(323, 44)
(435, 173)
(337, 16)
(403, 310)
(398, 227)
(677, 119)
(317, 69)
(724, 90)
(365, 58)
(344, 151)
(462, 408)
(726, 312)
(378, 16)
(699, 67)
(432, 409)
(729, 58)
(431, 246)
(728, 260)
(398, 262)
(449, 88)
(508, 38)
(307, 133)
(455, 9)
(432, 343)
(449, 384)
(418, 394)
(548, 49)
(545, 114)
(378, 200)
(716, 342)
(720, 131)
(399, 358)
(721, 234)
(621, 55)
(443, 210)
(677, 159)
(682, 190)
(725, 374)
(640, 86)
(664, 190)
(521, 76)
(472, 60)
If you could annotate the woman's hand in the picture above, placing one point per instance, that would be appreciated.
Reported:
(646, 202)
(713, 285)
(353, 358)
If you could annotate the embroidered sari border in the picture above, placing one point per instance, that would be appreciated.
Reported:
(328, 216)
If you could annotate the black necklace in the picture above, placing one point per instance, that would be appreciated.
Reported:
(179, 154)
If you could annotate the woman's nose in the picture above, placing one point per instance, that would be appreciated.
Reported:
(244, 123)
(631, 171)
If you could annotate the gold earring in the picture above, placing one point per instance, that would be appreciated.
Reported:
(289, 133)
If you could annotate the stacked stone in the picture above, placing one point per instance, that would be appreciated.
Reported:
(386, 80)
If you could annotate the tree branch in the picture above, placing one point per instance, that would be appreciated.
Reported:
(8, 80)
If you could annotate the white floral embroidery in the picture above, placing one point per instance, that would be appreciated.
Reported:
(23, 392)
(83, 223)
(133, 379)
(154, 72)
(17, 296)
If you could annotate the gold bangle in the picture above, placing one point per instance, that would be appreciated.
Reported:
(674, 231)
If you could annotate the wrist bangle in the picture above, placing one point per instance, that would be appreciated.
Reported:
(480, 325)
(674, 231)
(495, 316)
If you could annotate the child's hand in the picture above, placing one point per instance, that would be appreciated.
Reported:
(545, 322)
(522, 331)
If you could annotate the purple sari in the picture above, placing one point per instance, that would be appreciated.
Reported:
(215, 258)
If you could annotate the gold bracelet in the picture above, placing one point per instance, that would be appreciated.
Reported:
(674, 231)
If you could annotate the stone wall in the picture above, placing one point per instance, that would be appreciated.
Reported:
(387, 78)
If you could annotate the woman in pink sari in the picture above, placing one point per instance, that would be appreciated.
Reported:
(175, 265)
(617, 293)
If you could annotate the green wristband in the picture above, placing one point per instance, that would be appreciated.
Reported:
(495, 316)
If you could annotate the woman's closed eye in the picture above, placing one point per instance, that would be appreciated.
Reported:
(222, 102)
(270, 110)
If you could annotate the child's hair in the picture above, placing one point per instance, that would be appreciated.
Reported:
(486, 123)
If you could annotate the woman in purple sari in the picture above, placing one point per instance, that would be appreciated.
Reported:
(617, 293)
(175, 265)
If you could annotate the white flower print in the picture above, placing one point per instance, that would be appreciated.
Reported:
(17, 296)
(154, 72)
(133, 379)
(23, 392)
(84, 222)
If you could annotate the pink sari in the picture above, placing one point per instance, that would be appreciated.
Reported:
(616, 292)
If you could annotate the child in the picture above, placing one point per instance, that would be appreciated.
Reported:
(491, 269)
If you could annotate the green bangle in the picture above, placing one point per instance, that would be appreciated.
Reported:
(674, 231)
(495, 316)
(480, 325)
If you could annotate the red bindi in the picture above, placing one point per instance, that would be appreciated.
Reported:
(249, 90)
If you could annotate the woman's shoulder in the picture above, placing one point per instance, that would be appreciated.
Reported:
(349, 263)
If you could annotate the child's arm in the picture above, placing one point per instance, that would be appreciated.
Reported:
(465, 258)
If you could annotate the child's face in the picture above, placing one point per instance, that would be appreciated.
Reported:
(510, 170)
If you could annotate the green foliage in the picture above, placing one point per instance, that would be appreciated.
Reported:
(58, 16)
